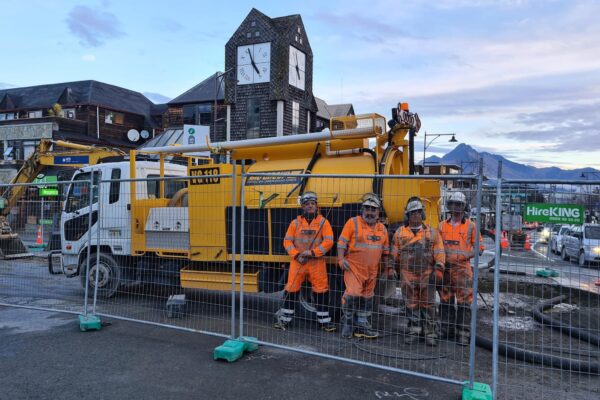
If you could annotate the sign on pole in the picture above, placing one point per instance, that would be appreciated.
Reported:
(554, 213)
(196, 134)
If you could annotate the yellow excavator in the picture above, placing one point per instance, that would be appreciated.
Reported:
(48, 153)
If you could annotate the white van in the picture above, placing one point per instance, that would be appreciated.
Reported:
(583, 244)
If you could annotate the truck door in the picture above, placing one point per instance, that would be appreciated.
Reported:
(75, 219)
(115, 224)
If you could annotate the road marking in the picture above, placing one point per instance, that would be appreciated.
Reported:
(406, 393)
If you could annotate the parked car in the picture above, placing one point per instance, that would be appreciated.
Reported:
(582, 243)
(556, 237)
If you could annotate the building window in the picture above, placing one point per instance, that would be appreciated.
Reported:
(69, 113)
(115, 118)
(204, 114)
(253, 119)
(7, 116)
(295, 117)
(34, 114)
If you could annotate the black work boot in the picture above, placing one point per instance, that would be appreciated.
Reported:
(363, 326)
(285, 314)
(431, 326)
(323, 317)
(463, 324)
(348, 306)
(414, 326)
(448, 319)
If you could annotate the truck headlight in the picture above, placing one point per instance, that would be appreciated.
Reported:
(546, 233)
(596, 250)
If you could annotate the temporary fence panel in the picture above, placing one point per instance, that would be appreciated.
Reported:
(549, 309)
(306, 296)
(166, 250)
(31, 273)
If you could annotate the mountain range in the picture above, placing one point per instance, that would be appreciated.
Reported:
(467, 157)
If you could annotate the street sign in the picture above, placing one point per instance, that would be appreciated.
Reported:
(554, 213)
(45, 190)
(196, 134)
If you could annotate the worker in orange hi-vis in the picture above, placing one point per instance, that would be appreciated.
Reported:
(458, 234)
(419, 253)
(362, 247)
(308, 238)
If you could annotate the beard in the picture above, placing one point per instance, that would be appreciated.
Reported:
(369, 219)
(310, 215)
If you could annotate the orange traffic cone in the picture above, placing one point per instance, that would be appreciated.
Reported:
(527, 245)
(597, 282)
(39, 240)
(504, 241)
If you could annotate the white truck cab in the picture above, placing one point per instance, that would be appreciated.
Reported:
(113, 216)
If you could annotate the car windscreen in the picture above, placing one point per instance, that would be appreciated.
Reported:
(592, 232)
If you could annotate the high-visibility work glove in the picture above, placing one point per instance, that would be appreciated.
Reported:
(344, 264)
(392, 274)
(439, 267)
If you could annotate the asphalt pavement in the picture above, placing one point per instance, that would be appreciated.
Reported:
(43, 355)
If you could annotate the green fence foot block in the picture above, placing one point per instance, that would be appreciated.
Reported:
(480, 391)
(233, 350)
(89, 323)
(250, 347)
(547, 272)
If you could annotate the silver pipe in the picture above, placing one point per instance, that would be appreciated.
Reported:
(271, 141)
(338, 152)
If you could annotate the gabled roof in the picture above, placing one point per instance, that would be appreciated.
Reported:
(88, 92)
(328, 111)
(202, 92)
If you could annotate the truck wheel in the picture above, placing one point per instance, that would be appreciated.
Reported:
(109, 275)
(581, 260)
(563, 254)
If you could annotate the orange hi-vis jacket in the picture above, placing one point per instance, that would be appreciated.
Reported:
(459, 242)
(364, 246)
(317, 237)
(418, 252)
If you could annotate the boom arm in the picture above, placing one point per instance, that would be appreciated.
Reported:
(78, 156)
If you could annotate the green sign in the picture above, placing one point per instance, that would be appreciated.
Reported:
(554, 213)
(46, 190)
(49, 191)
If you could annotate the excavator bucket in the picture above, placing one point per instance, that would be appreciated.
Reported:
(11, 246)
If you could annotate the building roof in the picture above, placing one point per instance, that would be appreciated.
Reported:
(328, 111)
(88, 92)
(202, 92)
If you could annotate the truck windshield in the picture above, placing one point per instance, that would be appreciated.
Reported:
(79, 192)
(592, 232)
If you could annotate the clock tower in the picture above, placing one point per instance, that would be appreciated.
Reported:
(269, 89)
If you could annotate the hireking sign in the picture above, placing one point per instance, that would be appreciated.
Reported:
(554, 213)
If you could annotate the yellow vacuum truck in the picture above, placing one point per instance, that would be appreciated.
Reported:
(179, 229)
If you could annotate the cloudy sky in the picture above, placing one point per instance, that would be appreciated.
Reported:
(519, 78)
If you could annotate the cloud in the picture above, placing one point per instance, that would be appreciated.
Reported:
(88, 57)
(92, 26)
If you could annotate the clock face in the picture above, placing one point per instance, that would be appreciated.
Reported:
(254, 63)
(297, 68)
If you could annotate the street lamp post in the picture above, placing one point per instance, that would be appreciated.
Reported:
(435, 136)
(219, 78)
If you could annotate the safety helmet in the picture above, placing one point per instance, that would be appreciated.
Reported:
(414, 204)
(371, 199)
(457, 197)
(308, 196)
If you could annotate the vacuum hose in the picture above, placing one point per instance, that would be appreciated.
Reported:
(546, 359)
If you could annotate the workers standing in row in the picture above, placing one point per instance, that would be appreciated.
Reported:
(363, 247)
(419, 253)
(308, 238)
(459, 236)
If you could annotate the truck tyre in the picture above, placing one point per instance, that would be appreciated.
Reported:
(109, 276)
(581, 259)
(563, 254)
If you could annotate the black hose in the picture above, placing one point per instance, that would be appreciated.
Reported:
(538, 314)
(538, 358)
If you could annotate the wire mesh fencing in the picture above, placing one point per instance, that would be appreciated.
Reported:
(547, 290)
(352, 277)
(166, 250)
(31, 273)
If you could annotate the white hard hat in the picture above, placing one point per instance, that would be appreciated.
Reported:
(308, 196)
(371, 199)
(414, 204)
(457, 197)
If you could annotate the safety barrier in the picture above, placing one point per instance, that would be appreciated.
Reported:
(190, 253)
(30, 271)
(544, 327)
